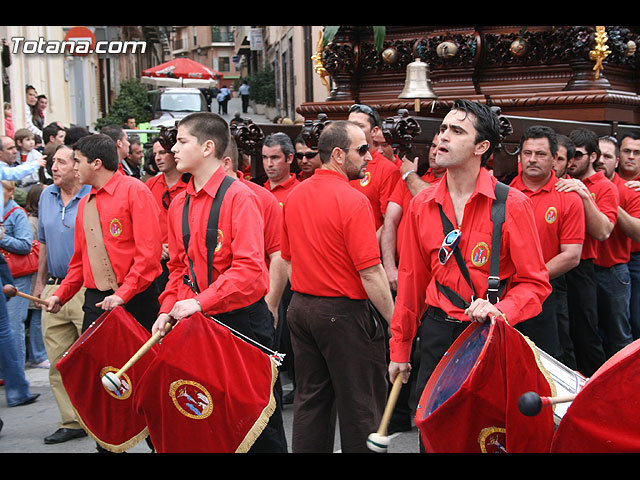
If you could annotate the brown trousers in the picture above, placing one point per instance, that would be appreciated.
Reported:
(340, 368)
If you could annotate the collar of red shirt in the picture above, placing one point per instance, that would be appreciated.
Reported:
(484, 186)
(111, 184)
(286, 184)
(596, 177)
(212, 185)
(325, 172)
(547, 187)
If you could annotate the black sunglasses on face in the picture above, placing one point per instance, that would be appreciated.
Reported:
(309, 155)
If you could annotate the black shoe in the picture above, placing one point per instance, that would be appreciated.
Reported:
(28, 401)
(64, 435)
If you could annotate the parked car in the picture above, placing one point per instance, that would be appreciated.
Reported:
(172, 104)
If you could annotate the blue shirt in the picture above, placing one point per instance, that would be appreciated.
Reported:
(18, 234)
(56, 225)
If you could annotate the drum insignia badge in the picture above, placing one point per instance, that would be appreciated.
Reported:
(551, 215)
(124, 391)
(366, 179)
(493, 440)
(191, 399)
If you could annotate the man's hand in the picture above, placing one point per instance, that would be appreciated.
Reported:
(53, 304)
(480, 309)
(396, 369)
(573, 185)
(110, 302)
(185, 308)
(160, 324)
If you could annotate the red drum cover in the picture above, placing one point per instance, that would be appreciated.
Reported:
(108, 417)
(604, 415)
(206, 391)
(470, 403)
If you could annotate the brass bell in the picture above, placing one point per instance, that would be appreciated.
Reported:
(418, 84)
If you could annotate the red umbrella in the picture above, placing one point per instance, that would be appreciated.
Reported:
(181, 71)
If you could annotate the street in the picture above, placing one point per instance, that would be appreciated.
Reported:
(26, 426)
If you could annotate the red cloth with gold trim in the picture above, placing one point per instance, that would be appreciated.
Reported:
(108, 417)
(603, 418)
(207, 391)
(470, 403)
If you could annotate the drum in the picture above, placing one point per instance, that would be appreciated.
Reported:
(564, 381)
(469, 404)
(603, 416)
(107, 416)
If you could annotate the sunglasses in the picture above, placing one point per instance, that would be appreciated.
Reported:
(357, 107)
(578, 155)
(448, 245)
(362, 149)
(309, 155)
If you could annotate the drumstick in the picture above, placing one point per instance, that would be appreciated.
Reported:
(111, 380)
(530, 403)
(378, 442)
(12, 291)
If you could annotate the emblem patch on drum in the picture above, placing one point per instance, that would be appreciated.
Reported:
(191, 399)
(551, 215)
(115, 227)
(124, 391)
(366, 179)
(493, 440)
(480, 254)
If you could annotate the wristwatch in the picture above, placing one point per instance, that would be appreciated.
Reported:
(405, 175)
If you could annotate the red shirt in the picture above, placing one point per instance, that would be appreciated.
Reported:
(605, 194)
(328, 235)
(617, 248)
(283, 190)
(380, 178)
(521, 259)
(402, 196)
(129, 220)
(240, 276)
(271, 213)
(559, 216)
(158, 187)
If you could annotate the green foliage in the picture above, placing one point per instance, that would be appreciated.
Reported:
(379, 32)
(131, 100)
(262, 86)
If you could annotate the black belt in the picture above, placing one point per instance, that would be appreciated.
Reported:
(440, 314)
(54, 280)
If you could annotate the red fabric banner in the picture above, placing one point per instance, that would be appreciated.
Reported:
(207, 391)
(482, 414)
(108, 417)
(603, 418)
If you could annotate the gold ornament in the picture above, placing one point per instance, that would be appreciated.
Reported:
(318, 67)
(601, 50)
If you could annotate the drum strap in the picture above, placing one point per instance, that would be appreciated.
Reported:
(212, 233)
(496, 287)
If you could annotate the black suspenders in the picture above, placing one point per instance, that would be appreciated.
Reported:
(496, 287)
(212, 233)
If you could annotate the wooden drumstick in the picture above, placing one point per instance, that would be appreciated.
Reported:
(530, 403)
(378, 441)
(12, 291)
(112, 380)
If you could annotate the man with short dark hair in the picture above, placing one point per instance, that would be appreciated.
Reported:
(434, 299)
(329, 239)
(600, 200)
(277, 156)
(120, 213)
(233, 286)
(119, 136)
(559, 219)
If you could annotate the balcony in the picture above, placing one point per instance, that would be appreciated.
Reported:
(222, 37)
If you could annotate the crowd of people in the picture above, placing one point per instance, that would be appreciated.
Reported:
(342, 259)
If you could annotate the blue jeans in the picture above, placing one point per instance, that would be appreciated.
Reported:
(12, 367)
(18, 308)
(37, 352)
(614, 292)
(634, 303)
